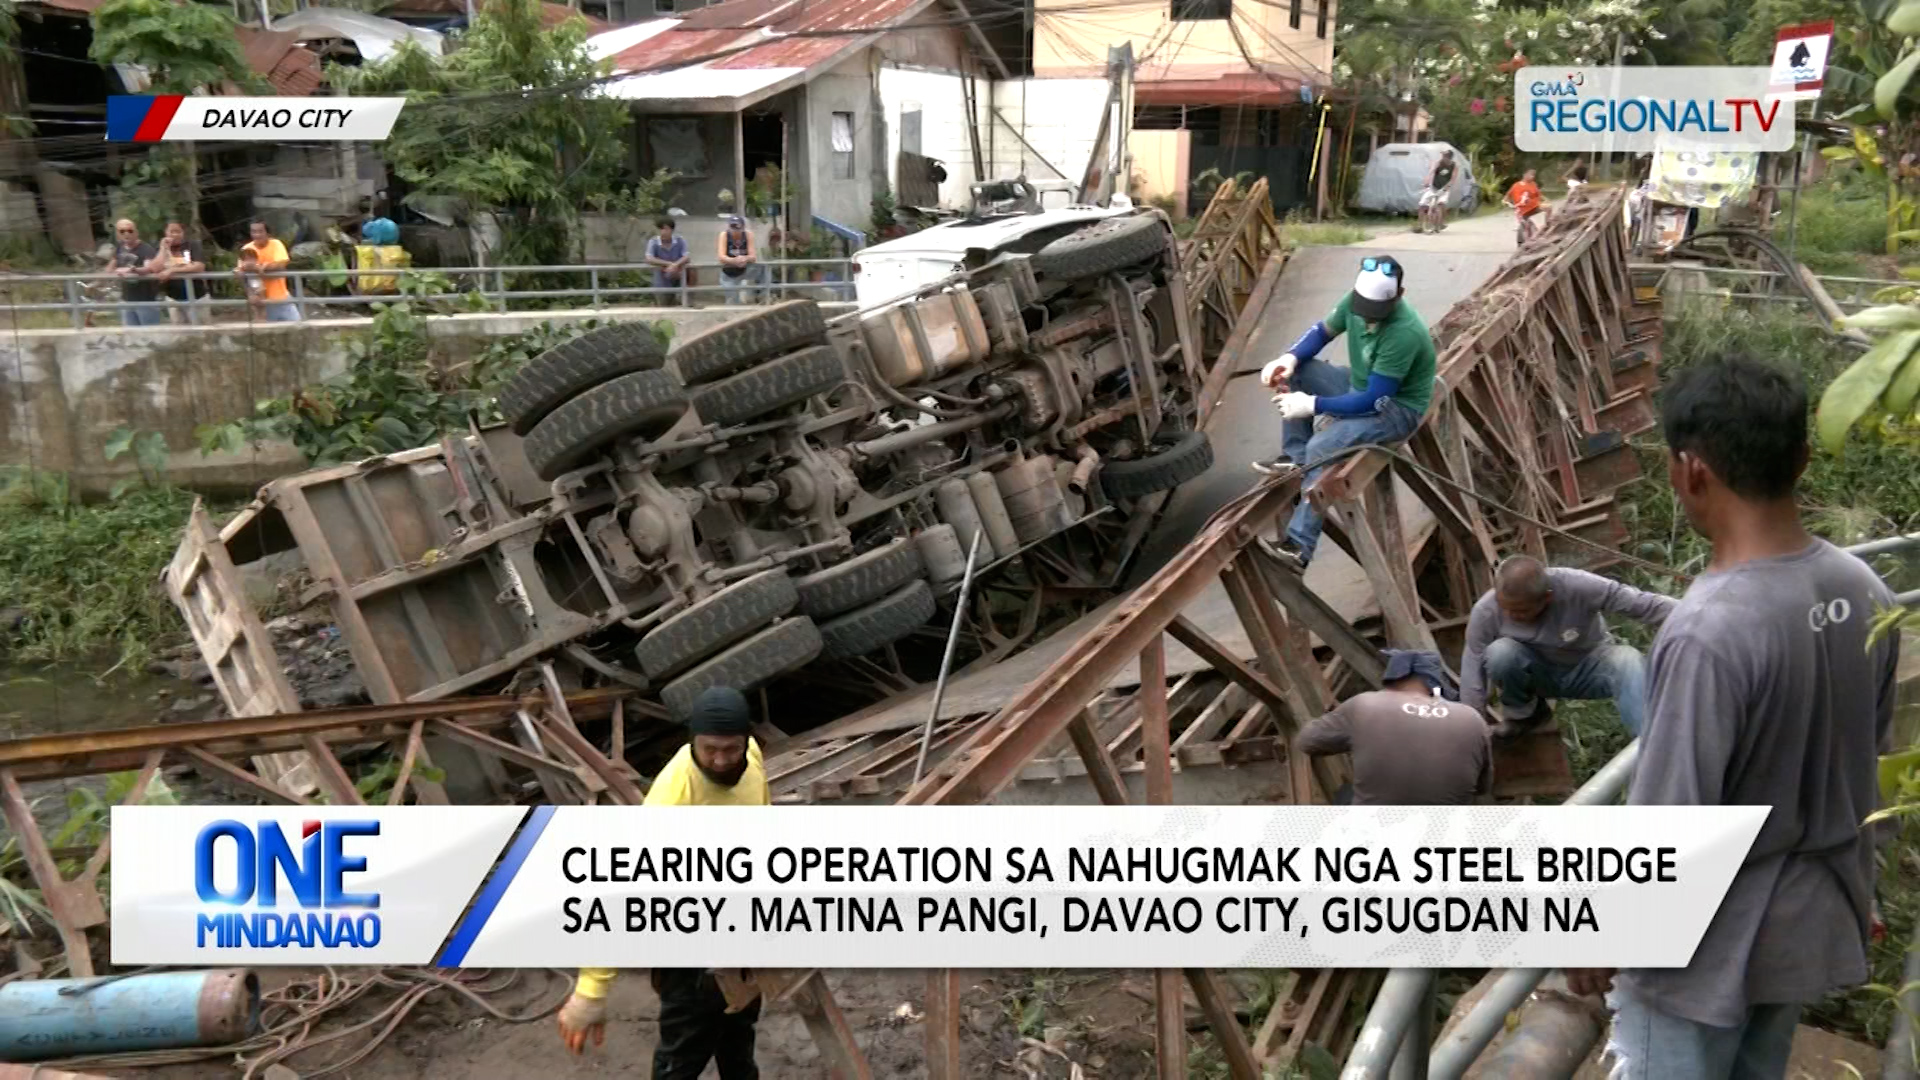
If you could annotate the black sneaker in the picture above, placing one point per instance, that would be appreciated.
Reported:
(1285, 552)
(1279, 466)
(1508, 728)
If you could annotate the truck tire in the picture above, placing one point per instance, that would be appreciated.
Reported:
(554, 377)
(1173, 462)
(860, 580)
(879, 624)
(785, 646)
(776, 384)
(643, 403)
(1101, 248)
(733, 345)
(715, 622)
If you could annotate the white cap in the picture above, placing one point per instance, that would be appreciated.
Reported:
(1375, 291)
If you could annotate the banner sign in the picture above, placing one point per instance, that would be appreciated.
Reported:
(1638, 110)
(179, 118)
(923, 887)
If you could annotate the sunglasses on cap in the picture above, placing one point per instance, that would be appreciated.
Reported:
(1385, 266)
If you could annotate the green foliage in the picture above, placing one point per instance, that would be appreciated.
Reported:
(1879, 391)
(1840, 220)
(88, 815)
(184, 47)
(511, 122)
(87, 576)
(1299, 232)
(150, 453)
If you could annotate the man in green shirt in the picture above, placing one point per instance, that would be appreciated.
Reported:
(1379, 397)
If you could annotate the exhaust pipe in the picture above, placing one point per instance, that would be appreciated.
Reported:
(1083, 470)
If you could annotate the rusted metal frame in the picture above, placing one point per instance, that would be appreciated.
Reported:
(1405, 628)
(1280, 1017)
(1215, 386)
(74, 905)
(881, 770)
(408, 759)
(995, 752)
(210, 561)
(1382, 504)
(90, 873)
(1130, 739)
(365, 509)
(1202, 644)
(298, 515)
(1101, 771)
(1319, 618)
(1224, 1024)
(221, 770)
(615, 775)
(1232, 701)
(1156, 739)
(839, 1050)
(1306, 1011)
(943, 1026)
(1253, 602)
(48, 757)
(549, 769)
(1169, 1025)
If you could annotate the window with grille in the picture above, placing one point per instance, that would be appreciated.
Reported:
(1196, 10)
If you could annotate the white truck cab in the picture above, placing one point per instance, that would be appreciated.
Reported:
(1009, 219)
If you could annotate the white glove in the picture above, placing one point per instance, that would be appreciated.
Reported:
(583, 1020)
(1278, 371)
(1294, 406)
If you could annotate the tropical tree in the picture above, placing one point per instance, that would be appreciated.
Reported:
(513, 122)
(184, 48)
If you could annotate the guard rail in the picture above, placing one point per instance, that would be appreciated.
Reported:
(86, 295)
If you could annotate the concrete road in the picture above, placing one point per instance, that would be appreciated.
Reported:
(1246, 428)
(1484, 234)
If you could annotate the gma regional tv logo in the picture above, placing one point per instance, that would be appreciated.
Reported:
(1644, 109)
(264, 891)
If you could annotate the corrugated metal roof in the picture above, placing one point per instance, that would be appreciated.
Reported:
(292, 69)
(785, 36)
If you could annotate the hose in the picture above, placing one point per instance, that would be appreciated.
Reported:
(291, 1015)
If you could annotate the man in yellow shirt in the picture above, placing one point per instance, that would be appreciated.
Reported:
(719, 766)
(259, 258)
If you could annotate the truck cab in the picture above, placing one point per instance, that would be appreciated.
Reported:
(1008, 219)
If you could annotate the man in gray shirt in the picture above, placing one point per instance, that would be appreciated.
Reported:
(1410, 745)
(1766, 687)
(1538, 634)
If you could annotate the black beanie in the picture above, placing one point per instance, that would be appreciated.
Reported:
(720, 710)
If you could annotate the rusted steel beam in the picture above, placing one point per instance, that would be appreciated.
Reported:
(1215, 386)
(830, 1030)
(1224, 1024)
(1156, 741)
(1101, 771)
(1041, 712)
(221, 770)
(1202, 645)
(1169, 1025)
(408, 758)
(74, 908)
(84, 753)
(943, 1026)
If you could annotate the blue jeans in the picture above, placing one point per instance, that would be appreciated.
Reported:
(743, 289)
(1391, 422)
(140, 314)
(1610, 671)
(284, 311)
(1647, 1044)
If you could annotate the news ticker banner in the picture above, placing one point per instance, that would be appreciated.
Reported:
(1639, 110)
(923, 887)
(195, 118)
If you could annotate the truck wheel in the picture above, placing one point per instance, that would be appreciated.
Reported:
(1174, 461)
(574, 367)
(1101, 248)
(733, 345)
(644, 403)
(715, 622)
(879, 624)
(785, 646)
(860, 580)
(776, 384)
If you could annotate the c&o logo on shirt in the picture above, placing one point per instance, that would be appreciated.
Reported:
(1831, 613)
(1431, 712)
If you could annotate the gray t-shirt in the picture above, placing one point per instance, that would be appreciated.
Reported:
(1408, 749)
(1565, 633)
(1763, 691)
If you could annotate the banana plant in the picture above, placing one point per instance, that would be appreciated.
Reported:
(1882, 385)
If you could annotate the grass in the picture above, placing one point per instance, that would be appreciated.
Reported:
(1296, 231)
(1869, 491)
(87, 576)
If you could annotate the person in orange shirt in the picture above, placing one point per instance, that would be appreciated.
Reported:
(1524, 197)
(259, 258)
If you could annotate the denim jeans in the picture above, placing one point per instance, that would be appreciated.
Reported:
(137, 313)
(283, 311)
(1610, 671)
(1647, 1044)
(1391, 422)
(744, 288)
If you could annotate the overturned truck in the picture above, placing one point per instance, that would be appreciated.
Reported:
(783, 489)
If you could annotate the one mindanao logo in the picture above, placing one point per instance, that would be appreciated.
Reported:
(265, 893)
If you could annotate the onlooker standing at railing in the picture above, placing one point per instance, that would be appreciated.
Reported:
(178, 255)
(259, 258)
(667, 253)
(739, 260)
(130, 259)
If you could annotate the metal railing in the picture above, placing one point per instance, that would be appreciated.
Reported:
(86, 295)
